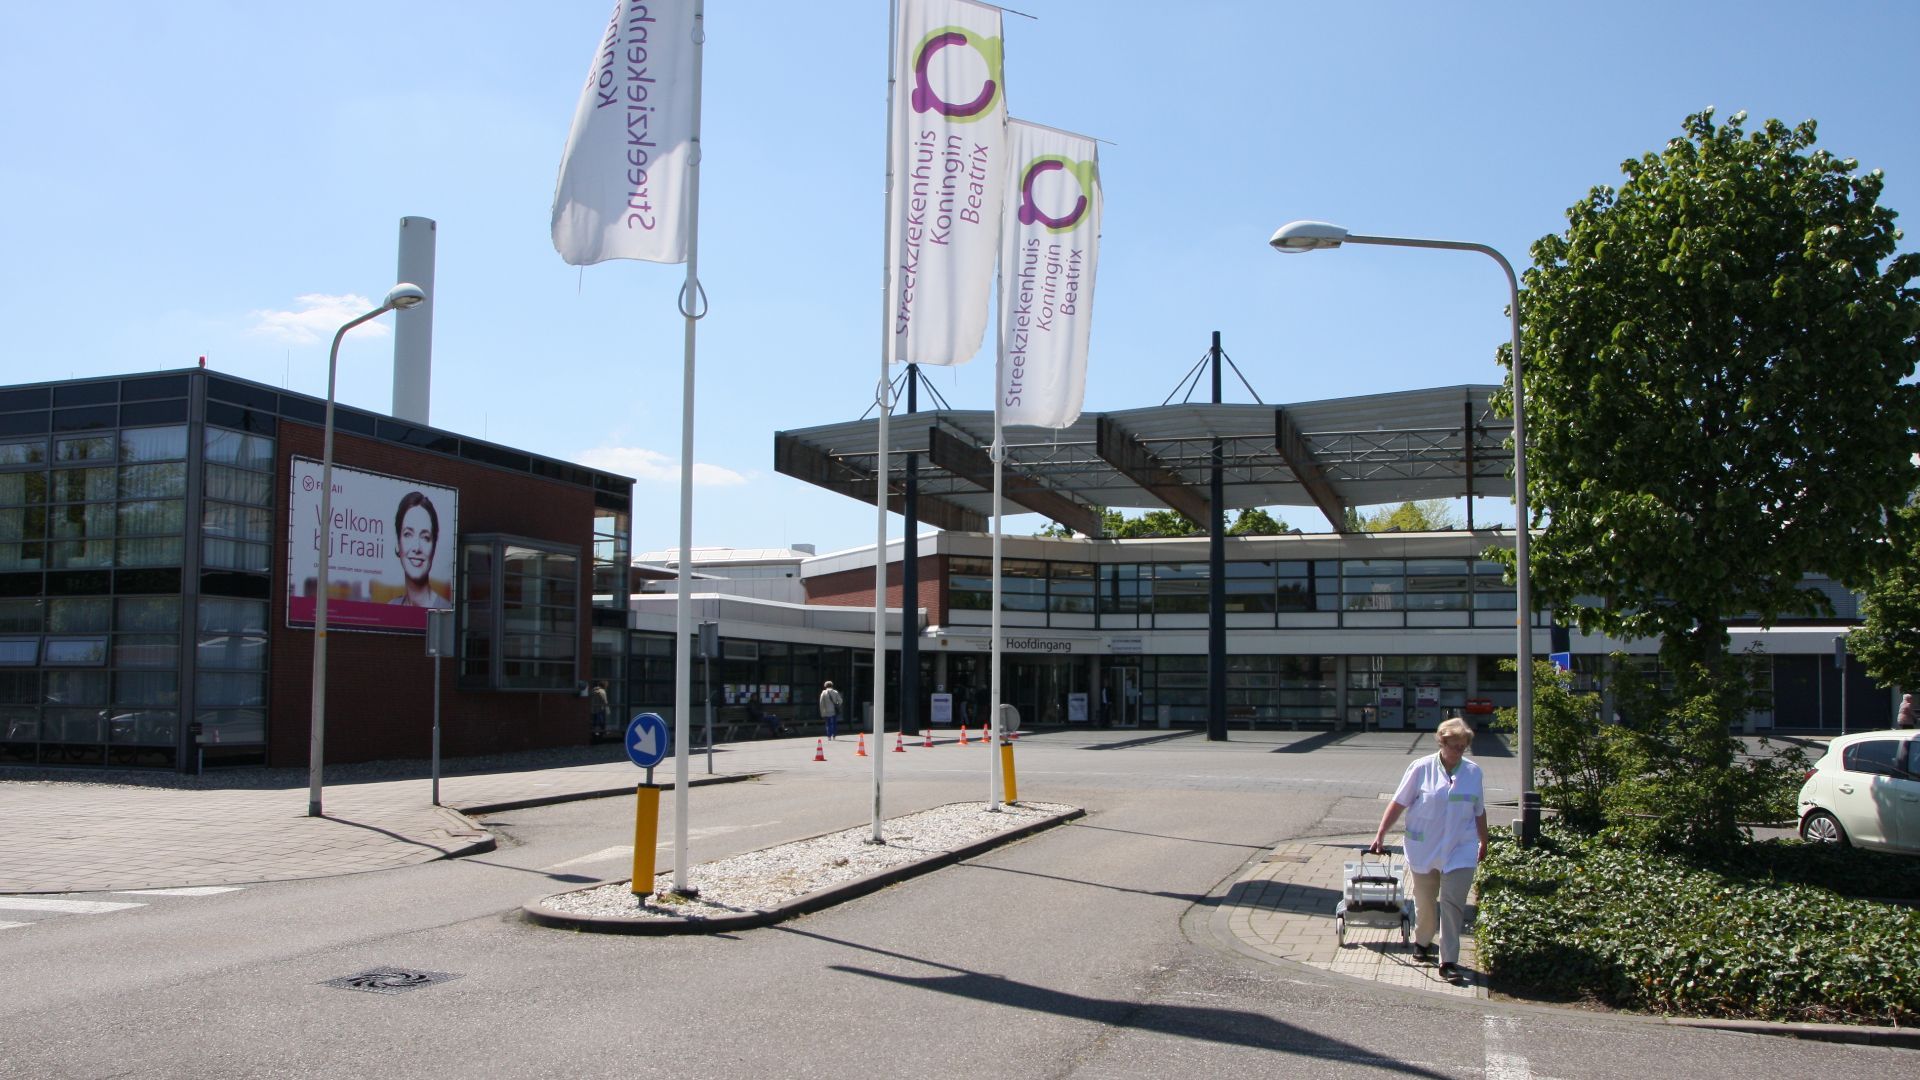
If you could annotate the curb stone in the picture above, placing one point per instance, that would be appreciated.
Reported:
(536, 912)
(596, 793)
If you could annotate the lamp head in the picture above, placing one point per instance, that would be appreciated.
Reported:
(1297, 236)
(404, 295)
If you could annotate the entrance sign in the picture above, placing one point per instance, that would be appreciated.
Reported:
(1563, 661)
(647, 740)
(391, 544)
(1076, 708)
(941, 711)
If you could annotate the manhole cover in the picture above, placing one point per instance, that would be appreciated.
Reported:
(1279, 857)
(391, 980)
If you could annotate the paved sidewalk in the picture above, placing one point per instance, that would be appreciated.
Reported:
(73, 836)
(1282, 909)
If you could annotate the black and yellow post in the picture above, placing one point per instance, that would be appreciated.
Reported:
(1006, 770)
(646, 835)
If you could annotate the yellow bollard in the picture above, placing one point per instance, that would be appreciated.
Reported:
(1006, 770)
(646, 836)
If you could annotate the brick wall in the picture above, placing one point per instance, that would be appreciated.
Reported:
(380, 686)
(854, 588)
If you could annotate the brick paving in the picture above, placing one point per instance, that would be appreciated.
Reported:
(1282, 909)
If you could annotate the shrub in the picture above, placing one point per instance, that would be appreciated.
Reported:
(1578, 918)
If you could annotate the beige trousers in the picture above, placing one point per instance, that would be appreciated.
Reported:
(1446, 891)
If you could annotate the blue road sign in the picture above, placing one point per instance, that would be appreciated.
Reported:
(647, 740)
(1561, 660)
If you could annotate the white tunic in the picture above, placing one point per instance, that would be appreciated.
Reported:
(1442, 815)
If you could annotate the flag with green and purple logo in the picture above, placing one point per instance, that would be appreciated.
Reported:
(948, 115)
(623, 190)
(1049, 243)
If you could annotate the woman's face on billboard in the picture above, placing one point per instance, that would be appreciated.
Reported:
(416, 544)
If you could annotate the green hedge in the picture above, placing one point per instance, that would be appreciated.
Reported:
(1572, 918)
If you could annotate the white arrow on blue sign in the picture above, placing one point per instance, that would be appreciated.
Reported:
(647, 740)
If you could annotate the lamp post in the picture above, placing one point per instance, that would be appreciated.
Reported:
(1299, 236)
(399, 298)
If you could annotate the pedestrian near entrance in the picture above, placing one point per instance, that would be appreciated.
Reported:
(830, 708)
(597, 703)
(1906, 717)
(1446, 837)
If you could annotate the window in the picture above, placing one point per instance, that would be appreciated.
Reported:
(1880, 757)
(236, 519)
(522, 615)
(1374, 584)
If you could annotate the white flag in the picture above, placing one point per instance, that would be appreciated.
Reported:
(1049, 245)
(622, 192)
(949, 115)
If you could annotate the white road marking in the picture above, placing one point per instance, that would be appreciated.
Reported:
(11, 925)
(625, 851)
(1502, 1063)
(190, 890)
(63, 907)
(602, 855)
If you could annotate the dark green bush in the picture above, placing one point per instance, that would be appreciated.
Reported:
(1573, 917)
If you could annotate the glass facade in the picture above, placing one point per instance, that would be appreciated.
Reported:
(140, 526)
(1363, 592)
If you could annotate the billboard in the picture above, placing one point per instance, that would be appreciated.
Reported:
(391, 543)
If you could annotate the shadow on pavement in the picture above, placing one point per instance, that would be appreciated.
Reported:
(1312, 743)
(1081, 824)
(1232, 1027)
(1148, 740)
(1190, 898)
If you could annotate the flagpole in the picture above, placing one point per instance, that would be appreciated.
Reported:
(993, 706)
(692, 306)
(880, 456)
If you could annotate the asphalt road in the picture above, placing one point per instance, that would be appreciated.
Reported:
(1082, 952)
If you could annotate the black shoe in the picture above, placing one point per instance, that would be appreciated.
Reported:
(1452, 973)
(1425, 953)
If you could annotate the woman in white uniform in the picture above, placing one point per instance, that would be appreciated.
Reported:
(1446, 837)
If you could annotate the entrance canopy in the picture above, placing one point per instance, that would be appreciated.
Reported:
(1442, 443)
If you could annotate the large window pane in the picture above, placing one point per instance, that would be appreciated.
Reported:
(213, 689)
(153, 481)
(238, 448)
(154, 444)
(23, 488)
(79, 614)
(236, 485)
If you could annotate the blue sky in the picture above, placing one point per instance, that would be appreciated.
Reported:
(226, 180)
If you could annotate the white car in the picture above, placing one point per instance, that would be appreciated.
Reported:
(1865, 792)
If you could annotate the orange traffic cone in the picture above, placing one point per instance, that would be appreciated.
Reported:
(963, 734)
(819, 750)
(927, 742)
(899, 742)
(861, 750)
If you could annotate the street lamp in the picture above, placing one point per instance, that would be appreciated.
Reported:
(399, 298)
(1298, 236)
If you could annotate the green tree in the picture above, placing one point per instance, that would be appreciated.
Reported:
(1119, 526)
(1714, 356)
(1888, 641)
(1431, 515)
(1714, 362)
(1254, 521)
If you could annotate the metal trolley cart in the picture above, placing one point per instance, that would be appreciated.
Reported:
(1374, 894)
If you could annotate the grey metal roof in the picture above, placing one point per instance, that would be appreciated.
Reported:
(1437, 443)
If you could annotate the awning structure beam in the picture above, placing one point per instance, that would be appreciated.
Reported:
(1292, 447)
(1121, 449)
(947, 451)
(793, 457)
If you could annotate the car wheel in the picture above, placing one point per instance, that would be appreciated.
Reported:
(1821, 827)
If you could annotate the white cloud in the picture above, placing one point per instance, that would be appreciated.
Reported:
(652, 466)
(316, 317)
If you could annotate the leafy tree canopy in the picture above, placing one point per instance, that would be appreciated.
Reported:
(1432, 515)
(1714, 362)
(1888, 642)
(1156, 523)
